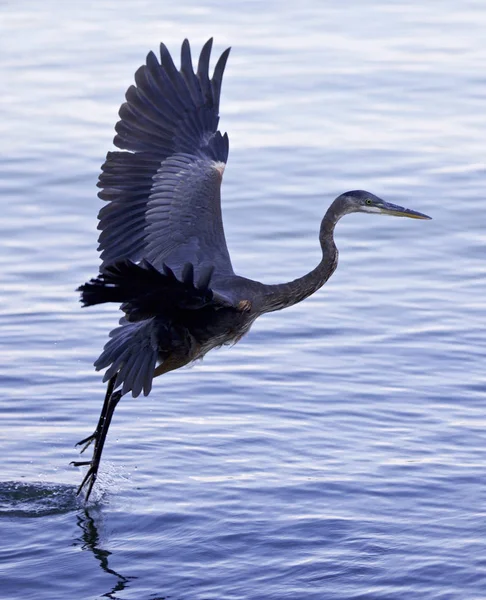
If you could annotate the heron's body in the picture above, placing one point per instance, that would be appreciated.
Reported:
(163, 249)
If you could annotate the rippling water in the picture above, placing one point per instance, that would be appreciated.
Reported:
(337, 452)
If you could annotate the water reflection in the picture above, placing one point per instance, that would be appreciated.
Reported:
(90, 539)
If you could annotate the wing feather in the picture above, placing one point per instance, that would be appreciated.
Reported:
(184, 220)
(167, 132)
(203, 69)
(189, 76)
(131, 355)
(217, 79)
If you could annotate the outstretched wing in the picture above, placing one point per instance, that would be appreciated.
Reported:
(163, 190)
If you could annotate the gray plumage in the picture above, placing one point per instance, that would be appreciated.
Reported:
(162, 243)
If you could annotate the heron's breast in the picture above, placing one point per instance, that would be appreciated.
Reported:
(221, 328)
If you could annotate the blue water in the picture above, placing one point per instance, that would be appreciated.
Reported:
(339, 451)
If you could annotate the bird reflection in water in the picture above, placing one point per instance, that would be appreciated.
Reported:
(91, 541)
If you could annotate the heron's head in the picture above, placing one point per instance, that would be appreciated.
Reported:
(361, 201)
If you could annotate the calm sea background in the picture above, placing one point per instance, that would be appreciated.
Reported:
(339, 451)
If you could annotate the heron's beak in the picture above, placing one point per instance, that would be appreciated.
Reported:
(387, 208)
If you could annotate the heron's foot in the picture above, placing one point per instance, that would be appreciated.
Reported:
(244, 305)
(87, 441)
(90, 477)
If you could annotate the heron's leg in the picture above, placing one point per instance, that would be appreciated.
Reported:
(100, 437)
(87, 441)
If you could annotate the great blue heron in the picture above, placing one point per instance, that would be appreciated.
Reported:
(163, 249)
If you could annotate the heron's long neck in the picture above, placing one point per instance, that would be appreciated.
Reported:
(286, 294)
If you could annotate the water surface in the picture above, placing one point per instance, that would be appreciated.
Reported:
(338, 451)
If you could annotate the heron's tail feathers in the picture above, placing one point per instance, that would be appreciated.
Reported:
(146, 292)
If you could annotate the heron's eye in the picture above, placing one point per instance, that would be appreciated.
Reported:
(369, 202)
